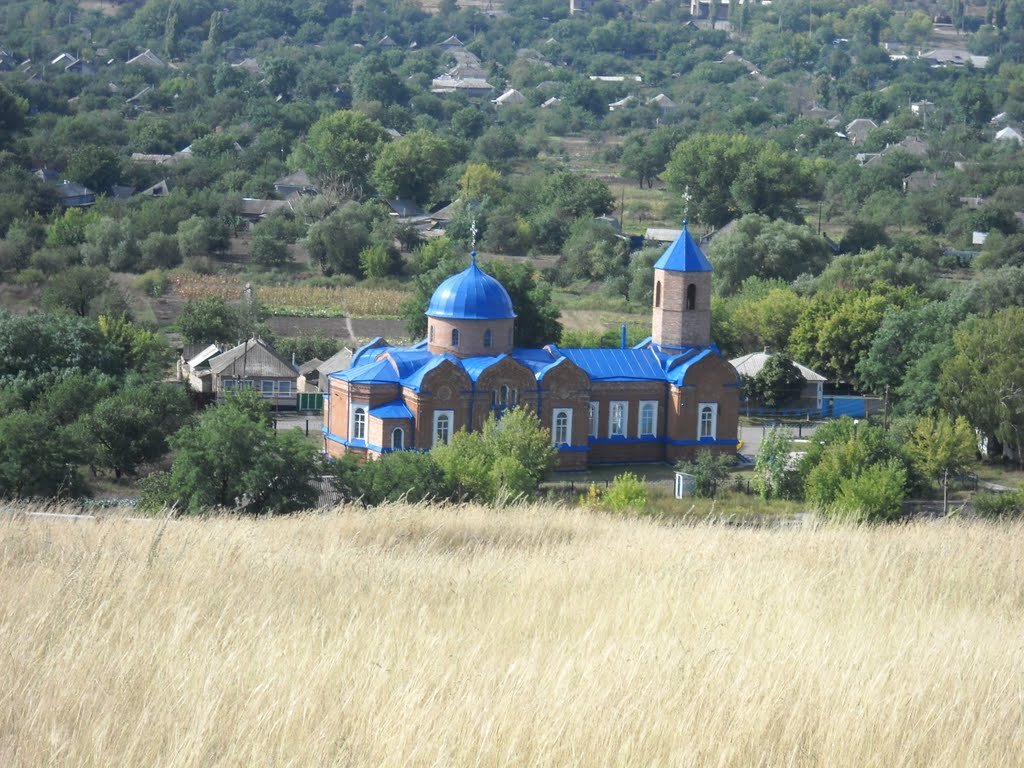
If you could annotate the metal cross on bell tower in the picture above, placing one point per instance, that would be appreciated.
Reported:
(687, 197)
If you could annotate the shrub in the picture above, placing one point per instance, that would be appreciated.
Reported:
(709, 472)
(30, 276)
(627, 492)
(153, 283)
(402, 475)
(774, 475)
(874, 495)
(999, 504)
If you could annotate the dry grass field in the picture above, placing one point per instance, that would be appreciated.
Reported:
(526, 637)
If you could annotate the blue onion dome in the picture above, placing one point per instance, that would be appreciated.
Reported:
(471, 295)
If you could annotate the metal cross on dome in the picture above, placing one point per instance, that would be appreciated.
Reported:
(687, 197)
(472, 232)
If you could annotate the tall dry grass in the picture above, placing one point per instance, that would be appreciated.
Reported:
(436, 637)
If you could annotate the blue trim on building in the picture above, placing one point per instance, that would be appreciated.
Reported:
(705, 441)
(573, 448)
(624, 440)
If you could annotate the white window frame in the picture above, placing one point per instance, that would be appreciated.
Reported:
(401, 433)
(595, 418)
(557, 413)
(713, 408)
(622, 406)
(284, 388)
(353, 420)
(653, 431)
(438, 415)
(267, 391)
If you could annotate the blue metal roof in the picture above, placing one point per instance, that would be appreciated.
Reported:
(683, 255)
(415, 380)
(471, 295)
(477, 365)
(374, 372)
(396, 409)
(617, 364)
(373, 346)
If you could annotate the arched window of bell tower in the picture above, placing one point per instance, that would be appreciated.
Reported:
(691, 296)
(657, 294)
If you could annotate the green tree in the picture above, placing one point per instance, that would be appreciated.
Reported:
(83, 291)
(209, 319)
(835, 332)
(379, 260)
(131, 427)
(775, 477)
(339, 151)
(731, 175)
(402, 476)
(13, 110)
(160, 250)
(193, 238)
(142, 350)
(508, 459)
(36, 459)
(771, 250)
(480, 182)
(940, 446)
(336, 242)
(984, 379)
(777, 383)
(98, 168)
(411, 166)
(230, 460)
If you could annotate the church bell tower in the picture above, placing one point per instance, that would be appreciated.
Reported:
(681, 312)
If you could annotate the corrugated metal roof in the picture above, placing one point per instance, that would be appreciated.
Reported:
(683, 255)
(617, 364)
(396, 409)
(475, 366)
(678, 374)
(375, 372)
(251, 358)
(751, 365)
(415, 381)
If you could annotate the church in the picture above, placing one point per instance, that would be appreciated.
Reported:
(659, 401)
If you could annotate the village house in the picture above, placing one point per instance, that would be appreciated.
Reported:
(252, 364)
(658, 401)
(810, 396)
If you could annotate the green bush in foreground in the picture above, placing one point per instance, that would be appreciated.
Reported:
(873, 495)
(999, 504)
(626, 493)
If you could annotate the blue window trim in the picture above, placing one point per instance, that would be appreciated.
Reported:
(573, 448)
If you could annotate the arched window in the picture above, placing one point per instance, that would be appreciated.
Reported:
(487, 337)
(657, 294)
(359, 424)
(691, 296)
(442, 427)
(708, 418)
(455, 337)
(431, 333)
(561, 432)
(398, 439)
(648, 418)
